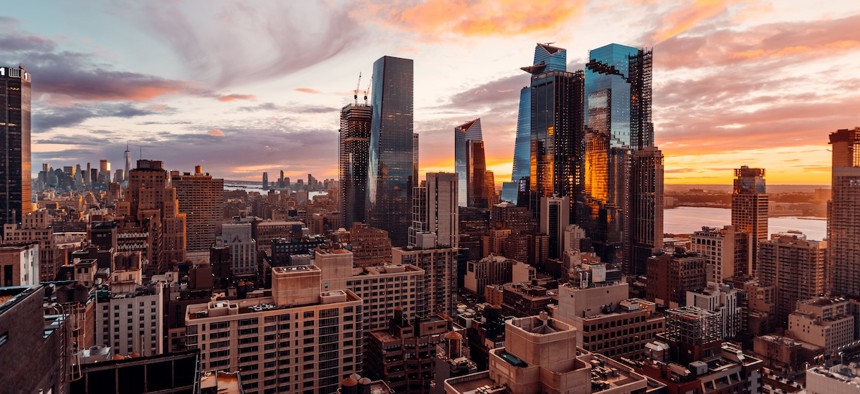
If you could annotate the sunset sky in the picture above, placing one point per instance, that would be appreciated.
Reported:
(246, 87)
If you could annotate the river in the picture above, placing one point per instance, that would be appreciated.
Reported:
(685, 220)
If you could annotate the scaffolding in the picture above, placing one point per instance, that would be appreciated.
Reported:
(693, 325)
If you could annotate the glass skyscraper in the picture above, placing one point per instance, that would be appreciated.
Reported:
(390, 167)
(15, 183)
(469, 131)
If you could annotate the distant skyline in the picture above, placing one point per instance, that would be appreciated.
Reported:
(242, 88)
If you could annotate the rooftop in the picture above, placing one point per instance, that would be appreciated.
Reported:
(257, 305)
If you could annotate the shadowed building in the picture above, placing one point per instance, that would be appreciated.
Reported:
(352, 165)
(749, 207)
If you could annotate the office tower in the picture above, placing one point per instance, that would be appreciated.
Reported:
(88, 181)
(434, 209)
(440, 273)
(415, 159)
(556, 132)
(243, 248)
(265, 180)
(620, 211)
(132, 320)
(153, 205)
(490, 188)
(554, 219)
(312, 182)
(127, 156)
(352, 165)
(723, 301)
(727, 251)
(476, 172)
(749, 207)
(672, 275)
(391, 152)
(795, 267)
(539, 347)
(15, 184)
(843, 215)
(201, 199)
(323, 348)
(646, 208)
(469, 131)
(104, 170)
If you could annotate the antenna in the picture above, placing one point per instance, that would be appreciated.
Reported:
(355, 92)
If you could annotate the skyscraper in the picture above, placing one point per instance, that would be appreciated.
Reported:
(843, 214)
(469, 131)
(554, 219)
(15, 196)
(795, 267)
(476, 172)
(390, 168)
(622, 187)
(153, 204)
(646, 208)
(352, 166)
(415, 181)
(749, 207)
(104, 171)
(556, 128)
(127, 156)
(265, 180)
(201, 199)
(441, 208)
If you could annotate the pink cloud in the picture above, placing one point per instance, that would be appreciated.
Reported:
(234, 97)
(308, 90)
(216, 133)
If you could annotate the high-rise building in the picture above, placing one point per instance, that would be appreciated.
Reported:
(415, 158)
(727, 251)
(154, 205)
(795, 267)
(435, 209)
(469, 131)
(352, 165)
(554, 219)
(15, 184)
(843, 215)
(37, 226)
(672, 275)
(250, 335)
(440, 274)
(749, 207)
(243, 248)
(824, 322)
(265, 180)
(104, 171)
(131, 321)
(476, 172)
(646, 208)
(620, 210)
(127, 156)
(201, 199)
(556, 133)
(390, 168)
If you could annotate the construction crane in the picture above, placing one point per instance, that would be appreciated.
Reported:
(355, 92)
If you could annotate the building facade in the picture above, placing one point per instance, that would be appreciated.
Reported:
(469, 131)
(794, 266)
(749, 207)
(843, 217)
(15, 188)
(201, 199)
(353, 151)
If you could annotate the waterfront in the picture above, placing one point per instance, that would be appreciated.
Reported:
(685, 220)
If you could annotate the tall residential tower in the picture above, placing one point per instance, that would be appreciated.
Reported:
(843, 213)
(749, 207)
(352, 162)
(15, 196)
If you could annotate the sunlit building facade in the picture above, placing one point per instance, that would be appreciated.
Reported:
(843, 224)
(749, 207)
(469, 131)
(390, 168)
(15, 183)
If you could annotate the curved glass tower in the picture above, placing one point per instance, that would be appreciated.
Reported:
(469, 131)
(390, 167)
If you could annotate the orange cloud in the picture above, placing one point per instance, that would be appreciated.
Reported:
(234, 97)
(435, 18)
(308, 90)
(216, 133)
(687, 17)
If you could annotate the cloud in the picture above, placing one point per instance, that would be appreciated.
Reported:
(687, 17)
(216, 133)
(51, 117)
(68, 76)
(290, 107)
(262, 41)
(234, 97)
(437, 19)
(308, 90)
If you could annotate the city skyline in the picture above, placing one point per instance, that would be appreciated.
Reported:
(201, 100)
